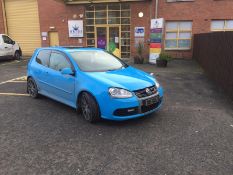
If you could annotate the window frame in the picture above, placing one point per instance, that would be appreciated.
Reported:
(168, 1)
(121, 21)
(177, 39)
(225, 25)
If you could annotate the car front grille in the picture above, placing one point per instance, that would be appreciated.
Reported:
(141, 93)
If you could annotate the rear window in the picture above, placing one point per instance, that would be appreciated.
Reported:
(43, 57)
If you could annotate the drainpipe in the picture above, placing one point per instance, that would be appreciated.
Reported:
(156, 8)
(4, 16)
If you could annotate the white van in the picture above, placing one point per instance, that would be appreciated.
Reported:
(9, 48)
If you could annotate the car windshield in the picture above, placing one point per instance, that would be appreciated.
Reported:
(97, 61)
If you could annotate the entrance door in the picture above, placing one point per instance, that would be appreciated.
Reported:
(108, 37)
(53, 39)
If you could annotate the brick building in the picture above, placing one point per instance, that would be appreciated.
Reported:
(39, 23)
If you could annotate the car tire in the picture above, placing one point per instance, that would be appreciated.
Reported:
(32, 89)
(17, 55)
(89, 108)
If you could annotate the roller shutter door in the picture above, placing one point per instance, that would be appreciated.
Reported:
(23, 24)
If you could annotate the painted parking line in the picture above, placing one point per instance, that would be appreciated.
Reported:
(23, 78)
(15, 81)
(16, 61)
(12, 62)
(13, 94)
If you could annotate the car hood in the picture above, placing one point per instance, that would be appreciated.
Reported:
(128, 78)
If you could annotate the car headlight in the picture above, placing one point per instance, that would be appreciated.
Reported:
(120, 93)
(156, 83)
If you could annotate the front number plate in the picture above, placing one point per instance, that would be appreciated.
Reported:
(151, 101)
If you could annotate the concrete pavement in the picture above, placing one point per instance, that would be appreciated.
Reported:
(192, 134)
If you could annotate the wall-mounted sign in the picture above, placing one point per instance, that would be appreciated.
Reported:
(156, 34)
(75, 28)
(44, 34)
(80, 40)
(157, 23)
(139, 31)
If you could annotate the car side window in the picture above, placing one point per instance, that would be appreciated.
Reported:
(58, 61)
(7, 40)
(43, 57)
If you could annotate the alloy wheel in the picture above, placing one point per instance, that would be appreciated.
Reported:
(86, 110)
(32, 89)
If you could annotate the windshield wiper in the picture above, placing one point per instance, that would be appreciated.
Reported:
(111, 70)
(116, 69)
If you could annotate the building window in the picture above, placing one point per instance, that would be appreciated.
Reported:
(178, 35)
(222, 25)
(179, 0)
(109, 15)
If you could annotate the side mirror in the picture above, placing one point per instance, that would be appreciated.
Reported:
(13, 42)
(67, 71)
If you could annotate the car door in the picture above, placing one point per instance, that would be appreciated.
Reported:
(7, 45)
(60, 86)
(41, 68)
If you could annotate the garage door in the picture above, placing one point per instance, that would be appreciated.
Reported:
(23, 23)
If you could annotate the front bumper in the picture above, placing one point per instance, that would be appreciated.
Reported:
(125, 109)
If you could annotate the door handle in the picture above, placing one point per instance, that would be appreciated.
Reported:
(6, 47)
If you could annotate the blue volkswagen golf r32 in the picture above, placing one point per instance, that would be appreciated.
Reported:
(93, 81)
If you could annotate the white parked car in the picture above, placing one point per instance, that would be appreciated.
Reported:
(9, 48)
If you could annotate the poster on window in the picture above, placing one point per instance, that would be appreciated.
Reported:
(75, 28)
(101, 42)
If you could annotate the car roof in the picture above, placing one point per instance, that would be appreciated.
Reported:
(71, 48)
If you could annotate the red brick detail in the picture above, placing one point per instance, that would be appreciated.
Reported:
(147, 9)
(56, 14)
(201, 12)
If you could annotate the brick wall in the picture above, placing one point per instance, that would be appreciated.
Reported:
(56, 14)
(148, 10)
(201, 12)
(2, 30)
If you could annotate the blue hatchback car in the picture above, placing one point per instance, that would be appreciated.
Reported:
(94, 82)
